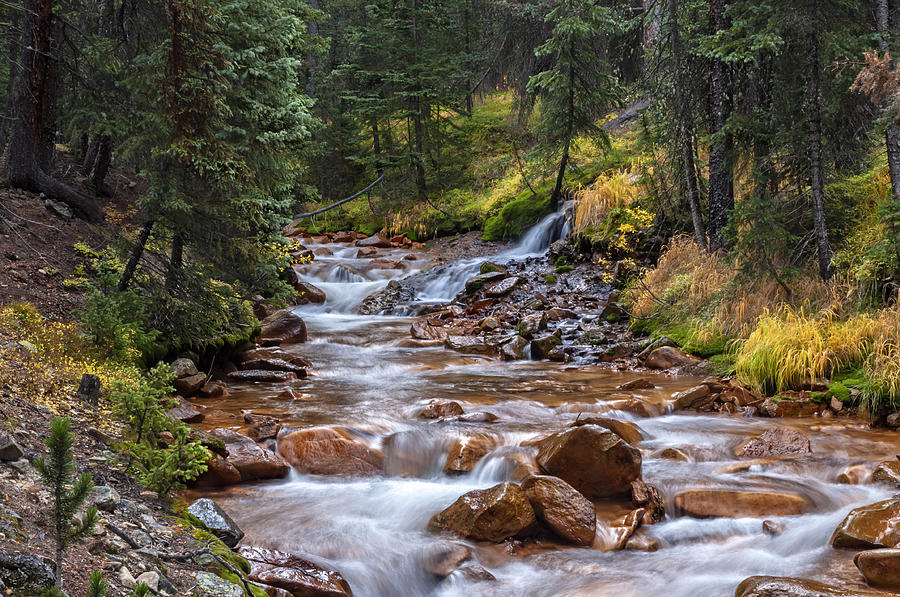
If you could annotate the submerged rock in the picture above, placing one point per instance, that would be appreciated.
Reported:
(780, 441)
(738, 504)
(594, 460)
(559, 505)
(445, 558)
(293, 573)
(773, 586)
(325, 451)
(493, 514)
(437, 409)
(870, 527)
(216, 521)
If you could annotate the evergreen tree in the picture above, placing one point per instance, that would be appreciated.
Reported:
(69, 493)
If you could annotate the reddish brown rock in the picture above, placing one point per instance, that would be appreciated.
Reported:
(187, 413)
(773, 586)
(282, 327)
(219, 473)
(559, 505)
(261, 427)
(214, 389)
(780, 441)
(648, 498)
(308, 294)
(870, 527)
(641, 408)
(667, 357)
(295, 574)
(471, 345)
(188, 386)
(887, 472)
(364, 252)
(261, 375)
(465, 452)
(437, 409)
(252, 460)
(492, 514)
(855, 474)
(326, 451)
(881, 567)
(446, 558)
(344, 237)
(422, 330)
(738, 504)
(640, 383)
(376, 240)
(682, 400)
(630, 432)
(594, 460)
(788, 408)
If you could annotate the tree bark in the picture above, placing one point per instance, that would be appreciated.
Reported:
(564, 160)
(419, 111)
(33, 128)
(175, 262)
(817, 179)
(685, 129)
(136, 254)
(721, 184)
(891, 135)
(6, 117)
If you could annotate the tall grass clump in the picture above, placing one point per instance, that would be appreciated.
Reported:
(610, 191)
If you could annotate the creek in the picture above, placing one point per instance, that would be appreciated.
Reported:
(370, 379)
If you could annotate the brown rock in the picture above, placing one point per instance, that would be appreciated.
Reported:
(376, 240)
(492, 514)
(261, 375)
(773, 586)
(594, 460)
(188, 386)
(261, 427)
(183, 368)
(297, 575)
(282, 327)
(855, 474)
(647, 497)
(780, 441)
(437, 409)
(344, 237)
(214, 389)
(641, 408)
(666, 357)
(446, 558)
(870, 527)
(219, 473)
(630, 432)
(273, 364)
(770, 527)
(887, 472)
(325, 451)
(186, 413)
(309, 294)
(559, 505)
(788, 408)
(738, 504)
(465, 453)
(675, 454)
(471, 345)
(881, 567)
(272, 353)
(514, 350)
(682, 400)
(640, 383)
(558, 314)
(252, 460)
(364, 252)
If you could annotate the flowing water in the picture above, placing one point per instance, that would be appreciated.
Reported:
(368, 378)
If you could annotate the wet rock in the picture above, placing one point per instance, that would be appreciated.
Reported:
(376, 240)
(641, 383)
(190, 385)
(308, 293)
(272, 364)
(675, 454)
(386, 299)
(345, 236)
(887, 472)
(9, 449)
(282, 327)
(437, 409)
(647, 497)
(293, 573)
(216, 586)
(325, 451)
(475, 573)
(870, 527)
(26, 573)
(479, 281)
(186, 413)
(492, 514)
(559, 505)
(446, 558)
(261, 375)
(504, 286)
(666, 357)
(772, 528)
(514, 350)
(471, 345)
(476, 417)
(252, 460)
(788, 408)
(738, 504)
(105, 498)
(640, 408)
(261, 427)
(217, 521)
(630, 432)
(855, 474)
(422, 330)
(364, 252)
(774, 586)
(559, 314)
(219, 473)
(465, 452)
(214, 389)
(542, 348)
(271, 354)
(615, 534)
(780, 441)
(594, 460)
(531, 324)
(682, 400)
(881, 567)
(640, 541)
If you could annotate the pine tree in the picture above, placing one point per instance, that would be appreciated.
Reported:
(97, 585)
(69, 493)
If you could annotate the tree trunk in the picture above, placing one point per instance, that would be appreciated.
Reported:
(32, 130)
(685, 129)
(570, 122)
(312, 29)
(136, 254)
(817, 179)
(721, 184)
(101, 167)
(6, 117)
(419, 108)
(891, 135)
(175, 262)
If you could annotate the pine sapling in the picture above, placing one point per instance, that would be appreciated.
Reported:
(69, 493)
(97, 586)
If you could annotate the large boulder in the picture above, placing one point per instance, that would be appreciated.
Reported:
(887, 472)
(294, 574)
(249, 458)
(189, 385)
(774, 586)
(376, 241)
(282, 327)
(216, 521)
(682, 400)
(183, 368)
(471, 345)
(738, 504)
(25, 574)
(493, 514)
(326, 451)
(870, 527)
(594, 460)
(780, 441)
(263, 375)
(219, 473)
(465, 452)
(881, 567)
(307, 293)
(559, 505)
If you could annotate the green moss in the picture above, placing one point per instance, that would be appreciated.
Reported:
(839, 391)
(561, 260)
(722, 364)
(488, 267)
(516, 216)
(818, 396)
(550, 279)
(562, 269)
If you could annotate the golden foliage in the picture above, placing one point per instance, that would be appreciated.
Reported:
(609, 191)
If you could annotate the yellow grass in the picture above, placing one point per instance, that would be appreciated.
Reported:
(609, 191)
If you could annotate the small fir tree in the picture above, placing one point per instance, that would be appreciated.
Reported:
(97, 585)
(69, 493)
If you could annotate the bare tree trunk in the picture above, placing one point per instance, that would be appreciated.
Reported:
(817, 178)
(721, 184)
(32, 130)
(136, 254)
(686, 129)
